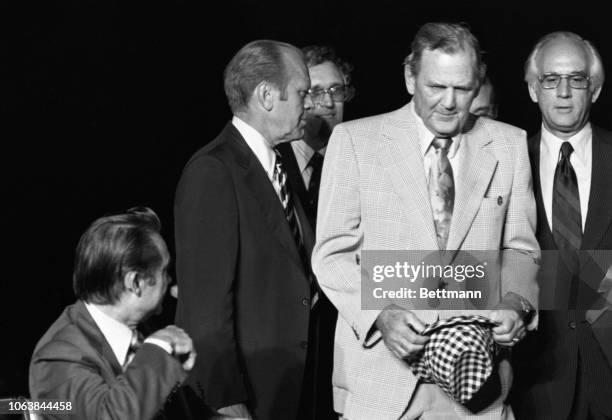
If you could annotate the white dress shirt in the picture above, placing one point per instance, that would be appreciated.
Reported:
(260, 147)
(303, 153)
(118, 335)
(581, 159)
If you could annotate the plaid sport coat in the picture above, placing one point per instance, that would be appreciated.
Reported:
(374, 196)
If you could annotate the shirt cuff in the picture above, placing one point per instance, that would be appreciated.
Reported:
(160, 343)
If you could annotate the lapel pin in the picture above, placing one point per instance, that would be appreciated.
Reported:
(500, 200)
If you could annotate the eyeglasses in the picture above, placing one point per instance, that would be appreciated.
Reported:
(337, 93)
(575, 80)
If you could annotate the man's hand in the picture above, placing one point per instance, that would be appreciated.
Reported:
(400, 331)
(510, 327)
(236, 411)
(182, 346)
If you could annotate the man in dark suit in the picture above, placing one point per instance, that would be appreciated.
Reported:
(92, 356)
(562, 370)
(330, 78)
(243, 241)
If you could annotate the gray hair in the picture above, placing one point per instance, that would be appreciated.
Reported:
(448, 37)
(257, 61)
(596, 70)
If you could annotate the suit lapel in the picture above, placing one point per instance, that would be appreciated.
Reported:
(255, 178)
(543, 232)
(599, 215)
(402, 160)
(478, 167)
(96, 338)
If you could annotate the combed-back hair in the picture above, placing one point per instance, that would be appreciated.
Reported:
(449, 38)
(318, 54)
(111, 247)
(596, 70)
(257, 61)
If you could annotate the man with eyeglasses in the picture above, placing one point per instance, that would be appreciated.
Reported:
(429, 177)
(330, 89)
(563, 369)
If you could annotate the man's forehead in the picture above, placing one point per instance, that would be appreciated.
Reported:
(325, 73)
(563, 51)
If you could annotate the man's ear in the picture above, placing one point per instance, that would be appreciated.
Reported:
(264, 95)
(410, 79)
(595, 94)
(532, 91)
(132, 283)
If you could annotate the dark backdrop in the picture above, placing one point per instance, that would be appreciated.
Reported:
(103, 102)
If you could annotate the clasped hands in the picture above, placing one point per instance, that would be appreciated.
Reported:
(401, 329)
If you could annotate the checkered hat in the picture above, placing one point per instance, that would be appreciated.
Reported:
(458, 356)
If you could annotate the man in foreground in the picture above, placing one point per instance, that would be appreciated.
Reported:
(93, 356)
(425, 177)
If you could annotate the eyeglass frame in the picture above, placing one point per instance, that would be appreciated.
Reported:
(564, 76)
(320, 97)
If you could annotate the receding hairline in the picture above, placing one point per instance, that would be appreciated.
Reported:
(594, 63)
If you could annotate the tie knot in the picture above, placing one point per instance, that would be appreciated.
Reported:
(136, 341)
(316, 161)
(441, 143)
(566, 149)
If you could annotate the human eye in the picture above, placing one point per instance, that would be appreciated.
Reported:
(550, 78)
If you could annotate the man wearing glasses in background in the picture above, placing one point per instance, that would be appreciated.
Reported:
(563, 369)
(329, 80)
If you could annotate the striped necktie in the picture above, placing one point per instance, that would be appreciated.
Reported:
(286, 198)
(441, 189)
(567, 220)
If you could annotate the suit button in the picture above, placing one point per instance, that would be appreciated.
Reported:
(306, 302)
(304, 344)
(572, 325)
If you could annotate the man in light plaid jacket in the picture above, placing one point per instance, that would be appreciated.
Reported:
(377, 193)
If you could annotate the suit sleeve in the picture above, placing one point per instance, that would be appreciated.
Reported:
(521, 252)
(60, 371)
(206, 229)
(337, 252)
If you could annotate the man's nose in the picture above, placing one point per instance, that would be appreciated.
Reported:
(307, 102)
(327, 100)
(564, 89)
(449, 100)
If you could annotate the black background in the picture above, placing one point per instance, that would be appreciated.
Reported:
(103, 102)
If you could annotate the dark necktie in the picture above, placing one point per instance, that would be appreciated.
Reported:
(286, 197)
(316, 163)
(566, 217)
(135, 344)
(441, 189)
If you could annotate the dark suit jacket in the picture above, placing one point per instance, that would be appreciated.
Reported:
(73, 362)
(322, 318)
(546, 362)
(244, 292)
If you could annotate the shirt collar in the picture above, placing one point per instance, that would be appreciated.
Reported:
(581, 142)
(117, 334)
(258, 144)
(426, 136)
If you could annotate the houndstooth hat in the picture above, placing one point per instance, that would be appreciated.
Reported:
(458, 356)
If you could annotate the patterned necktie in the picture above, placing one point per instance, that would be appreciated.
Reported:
(567, 220)
(286, 197)
(135, 344)
(441, 189)
(316, 163)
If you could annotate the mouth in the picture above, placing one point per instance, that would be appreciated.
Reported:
(564, 109)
